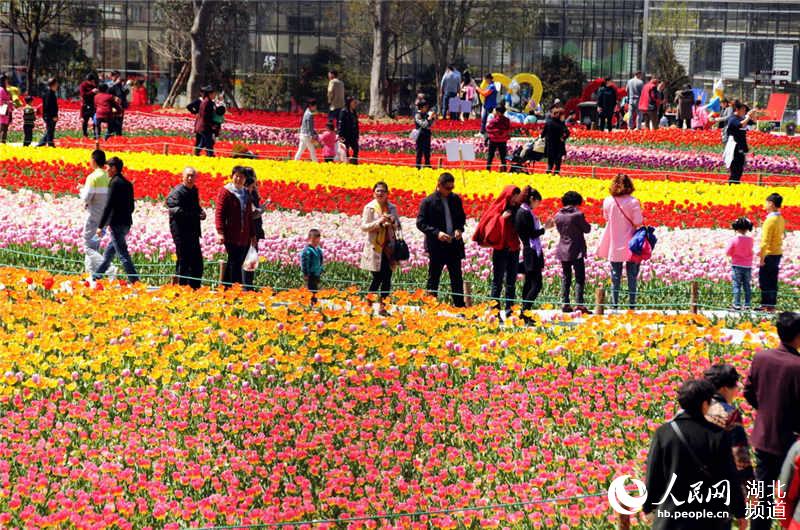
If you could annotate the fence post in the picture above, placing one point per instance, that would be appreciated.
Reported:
(439, 164)
(97, 142)
(694, 295)
(599, 300)
(221, 271)
(624, 522)
(594, 172)
(760, 179)
(166, 149)
(468, 294)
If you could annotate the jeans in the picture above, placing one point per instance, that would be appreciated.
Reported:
(118, 245)
(424, 150)
(737, 167)
(453, 263)
(204, 141)
(98, 128)
(4, 132)
(566, 280)
(768, 280)
(49, 136)
(531, 288)
(484, 117)
(306, 142)
(189, 267)
(604, 122)
(116, 126)
(233, 267)
(741, 281)
(312, 284)
(85, 123)
(351, 146)
(382, 279)
(505, 264)
(768, 469)
(500, 147)
(652, 119)
(632, 271)
(554, 164)
(333, 116)
(446, 106)
(91, 245)
(27, 135)
(634, 118)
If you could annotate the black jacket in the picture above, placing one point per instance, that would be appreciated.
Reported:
(49, 106)
(431, 221)
(348, 125)
(120, 90)
(523, 224)
(668, 456)
(119, 207)
(607, 99)
(184, 212)
(685, 103)
(555, 134)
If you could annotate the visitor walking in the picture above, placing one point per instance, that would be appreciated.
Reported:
(6, 109)
(348, 129)
(648, 104)
(571, 249)
(740, 250)
(234, 223)
(106, 108)
(423, 121)
(685, 451)
(87, 91)
(381, 224)
(499, 131)
(94, 194)
(770, 252)
(335, 96)
(496, 230)
(441, 218)
(449, 87)
(49, 114)
(555, 134)
(530, 230)
(185, 215)
(118, 216)
(685, 100)
(737, 129)
(204, 125)
(773, 389)
(634, 90)
(119, 90)
(623, 215)
(489, 101)
(606, 103)
(308, 135)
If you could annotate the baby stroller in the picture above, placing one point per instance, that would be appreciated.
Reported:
(523, 158)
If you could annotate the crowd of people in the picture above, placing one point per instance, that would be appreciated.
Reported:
(511, 227)
(704, 450)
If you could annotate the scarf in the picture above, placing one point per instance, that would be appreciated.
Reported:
(382, 235)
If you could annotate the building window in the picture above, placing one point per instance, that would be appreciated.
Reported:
(300, 24)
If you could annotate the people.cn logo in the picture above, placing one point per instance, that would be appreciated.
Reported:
(623, 502)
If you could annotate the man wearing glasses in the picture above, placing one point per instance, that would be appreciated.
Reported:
(441, 218)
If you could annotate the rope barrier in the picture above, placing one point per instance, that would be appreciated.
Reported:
(401, 515)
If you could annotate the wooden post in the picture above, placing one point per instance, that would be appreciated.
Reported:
(760, 181)
(599, 300)
(166, 149)
(221, 271)
(468, 294)
(439, 164)
(624, 522)
(594, 172)
(97, 143)
(693, 297)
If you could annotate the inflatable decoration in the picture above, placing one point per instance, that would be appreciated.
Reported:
(715, 105)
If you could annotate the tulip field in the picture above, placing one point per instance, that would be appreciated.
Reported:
(154, 406)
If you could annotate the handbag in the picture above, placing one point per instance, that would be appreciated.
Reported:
(399, 247)
(414, 135)
(640, 246)
(3, 109)
(539, 145)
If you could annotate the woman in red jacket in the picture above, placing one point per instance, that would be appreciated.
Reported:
(496, 231)
(106, 110)
(234, 223)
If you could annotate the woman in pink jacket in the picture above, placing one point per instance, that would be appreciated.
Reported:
(6, 106)
(623, 215)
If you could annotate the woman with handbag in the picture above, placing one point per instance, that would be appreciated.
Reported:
(623, 214)
(382, 247)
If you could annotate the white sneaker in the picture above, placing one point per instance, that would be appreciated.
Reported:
(112, 272)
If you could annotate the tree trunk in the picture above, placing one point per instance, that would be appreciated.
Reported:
(380, 55)
(30, 64)
(199, 35)
(177, 86)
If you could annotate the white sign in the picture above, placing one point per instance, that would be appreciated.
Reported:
(459, 152)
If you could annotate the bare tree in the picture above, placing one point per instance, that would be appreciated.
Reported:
(203, 11)
(380, 54)
(444, 23)
(28, 19)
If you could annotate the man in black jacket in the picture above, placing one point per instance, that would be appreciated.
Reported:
(117, 215)
(441, 218)
(185, 214)
(348, 128)
(606, 103)
(50, 113)
(119, 90)
(687, 450)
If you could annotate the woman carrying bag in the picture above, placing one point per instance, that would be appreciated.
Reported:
(383, 246)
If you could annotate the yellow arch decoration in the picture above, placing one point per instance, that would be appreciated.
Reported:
(498, 78)
(523, 78)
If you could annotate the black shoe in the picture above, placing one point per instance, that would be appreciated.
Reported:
(566, 308)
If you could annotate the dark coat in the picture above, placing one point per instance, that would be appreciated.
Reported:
(49, 106)
(773, 389)
(555, 134)
(86, 91)
(184, 212)
(120, 91)
(348, 125)
(669, 456)
(607, 99)
(120, 205)
(571, 225)
(237, 229)
(523, 223)
(204, 121)
(685, 104)
(738, 133)
(431, 221)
